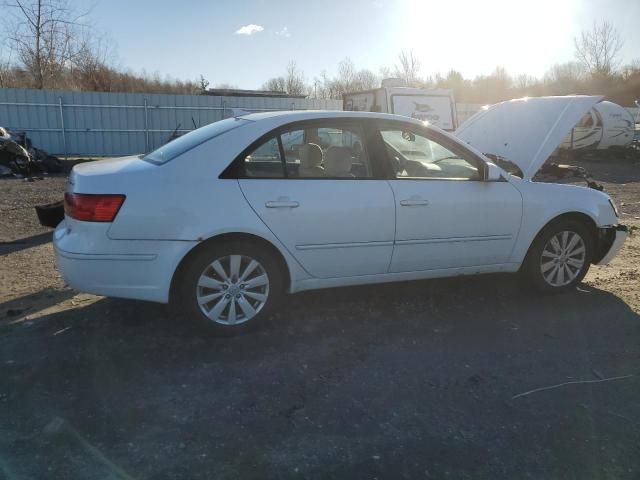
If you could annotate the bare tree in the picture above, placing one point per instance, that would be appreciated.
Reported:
(348, 79)
(408, 67)
(294, 83)
(524, 82)
(346, 74)
(565, 72)
(494, 87)
(90, 69)
(44, 34)
(597, 49)
(365, 80)
(203, 84)
(385, 72)
(631, 70)
(275, 84)
(323, 87)
(6, 72)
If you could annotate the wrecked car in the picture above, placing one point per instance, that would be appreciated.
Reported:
(18, 156)
(14, 158)
(226, 219)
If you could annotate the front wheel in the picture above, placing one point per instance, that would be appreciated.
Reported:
(230, 287)
(560, 256)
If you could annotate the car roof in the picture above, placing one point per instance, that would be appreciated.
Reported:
(293, 115)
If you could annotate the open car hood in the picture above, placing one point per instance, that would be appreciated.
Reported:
(525, 131)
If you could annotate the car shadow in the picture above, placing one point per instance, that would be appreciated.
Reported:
(25, 243)
(471, 305)
(14, 309)
(420, 374)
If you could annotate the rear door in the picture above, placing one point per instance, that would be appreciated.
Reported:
(317, 189)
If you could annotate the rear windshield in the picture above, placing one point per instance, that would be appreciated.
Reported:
(192, 139)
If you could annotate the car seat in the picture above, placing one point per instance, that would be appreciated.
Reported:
(338, 162)
(311, 161)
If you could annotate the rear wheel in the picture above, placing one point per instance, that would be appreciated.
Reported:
(560, 256)
(230, 287)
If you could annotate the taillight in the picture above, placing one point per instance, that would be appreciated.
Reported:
(92, 208)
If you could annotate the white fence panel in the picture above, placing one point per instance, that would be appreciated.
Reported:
(109, 124)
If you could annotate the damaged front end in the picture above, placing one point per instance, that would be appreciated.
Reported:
(609, 241)
(553, 172)
(549, 172)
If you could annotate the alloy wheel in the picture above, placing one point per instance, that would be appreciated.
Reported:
(232, 289)
(563, 258)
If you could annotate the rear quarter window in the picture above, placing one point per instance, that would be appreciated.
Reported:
(183, 144)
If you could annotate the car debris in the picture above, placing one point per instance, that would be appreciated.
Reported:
(51, 214)
(19, 158)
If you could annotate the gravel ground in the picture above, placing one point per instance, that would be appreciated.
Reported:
(407, 380)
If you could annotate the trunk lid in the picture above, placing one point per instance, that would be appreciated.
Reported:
(106, 176)
(525, 131)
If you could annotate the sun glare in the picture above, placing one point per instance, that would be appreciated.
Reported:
(475, 37)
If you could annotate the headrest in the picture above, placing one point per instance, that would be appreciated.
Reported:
(338, 161)
(310, 155)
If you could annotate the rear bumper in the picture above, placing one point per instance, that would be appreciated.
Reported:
(617, 236)
(90, 262)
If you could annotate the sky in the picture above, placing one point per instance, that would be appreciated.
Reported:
(245, 42)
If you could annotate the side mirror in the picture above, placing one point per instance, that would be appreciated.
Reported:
(492, 173)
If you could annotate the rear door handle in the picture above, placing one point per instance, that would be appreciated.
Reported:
(413, 202)
(282, 204)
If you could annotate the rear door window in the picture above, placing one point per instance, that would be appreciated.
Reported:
(326, 151)
(315, 151)
(265, 161)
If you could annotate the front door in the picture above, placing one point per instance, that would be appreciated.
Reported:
(446, 216)
(314, 186)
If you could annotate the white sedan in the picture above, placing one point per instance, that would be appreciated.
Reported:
(227, 218)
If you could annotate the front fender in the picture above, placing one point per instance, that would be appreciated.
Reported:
(543, 202)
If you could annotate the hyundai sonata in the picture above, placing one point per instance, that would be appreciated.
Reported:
(229, 217)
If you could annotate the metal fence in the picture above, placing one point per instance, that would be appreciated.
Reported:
(109, 124)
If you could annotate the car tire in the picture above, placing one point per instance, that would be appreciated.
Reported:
(559, 257)
(229, 287)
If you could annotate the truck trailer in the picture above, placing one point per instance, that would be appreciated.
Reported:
(436, 106)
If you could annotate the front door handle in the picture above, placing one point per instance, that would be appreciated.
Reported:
(282, 204)
(413, 202)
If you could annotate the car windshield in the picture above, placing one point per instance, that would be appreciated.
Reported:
(182, 144)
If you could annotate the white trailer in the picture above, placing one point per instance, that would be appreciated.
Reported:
(607, 126)
(434, 106)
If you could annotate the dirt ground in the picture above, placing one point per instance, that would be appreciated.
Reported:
(408, 380)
